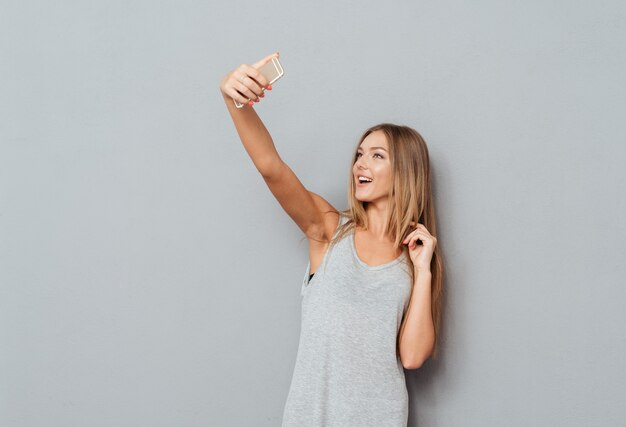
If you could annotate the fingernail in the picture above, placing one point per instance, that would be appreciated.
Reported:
(256, 100)
(269, 87)
(262, 95)
(250, 103)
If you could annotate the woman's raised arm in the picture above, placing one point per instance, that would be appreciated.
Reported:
(305, 208)
(256, 139)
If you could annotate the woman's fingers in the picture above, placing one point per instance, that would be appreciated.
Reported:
(423, 236)
(411, 238)
(250, 82)
(237, 96)
(256, 79)
(415, 235)
(419, 233)
(244, 90)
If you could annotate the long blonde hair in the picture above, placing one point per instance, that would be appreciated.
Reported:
(410, 199)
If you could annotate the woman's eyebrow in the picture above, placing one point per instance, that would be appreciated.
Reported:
(371, 148)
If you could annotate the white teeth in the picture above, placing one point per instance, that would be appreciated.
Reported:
(364, 179)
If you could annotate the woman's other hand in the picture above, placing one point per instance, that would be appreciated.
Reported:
(421, 255)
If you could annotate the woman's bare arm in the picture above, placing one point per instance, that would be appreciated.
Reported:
(255, 138)
(304, 207)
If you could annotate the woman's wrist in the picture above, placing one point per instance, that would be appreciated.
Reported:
(422, 271)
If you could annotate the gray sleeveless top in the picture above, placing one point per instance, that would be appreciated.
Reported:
(347, 370)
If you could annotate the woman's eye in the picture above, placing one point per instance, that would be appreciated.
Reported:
(376, 154)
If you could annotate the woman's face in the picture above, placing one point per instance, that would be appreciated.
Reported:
(372, 161)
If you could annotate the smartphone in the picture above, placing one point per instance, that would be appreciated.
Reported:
(272, 71)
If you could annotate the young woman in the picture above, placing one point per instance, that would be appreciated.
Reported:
(371, 294)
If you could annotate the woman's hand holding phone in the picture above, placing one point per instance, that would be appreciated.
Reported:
(246, 84)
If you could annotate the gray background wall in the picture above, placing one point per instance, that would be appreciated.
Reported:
(149, 278)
